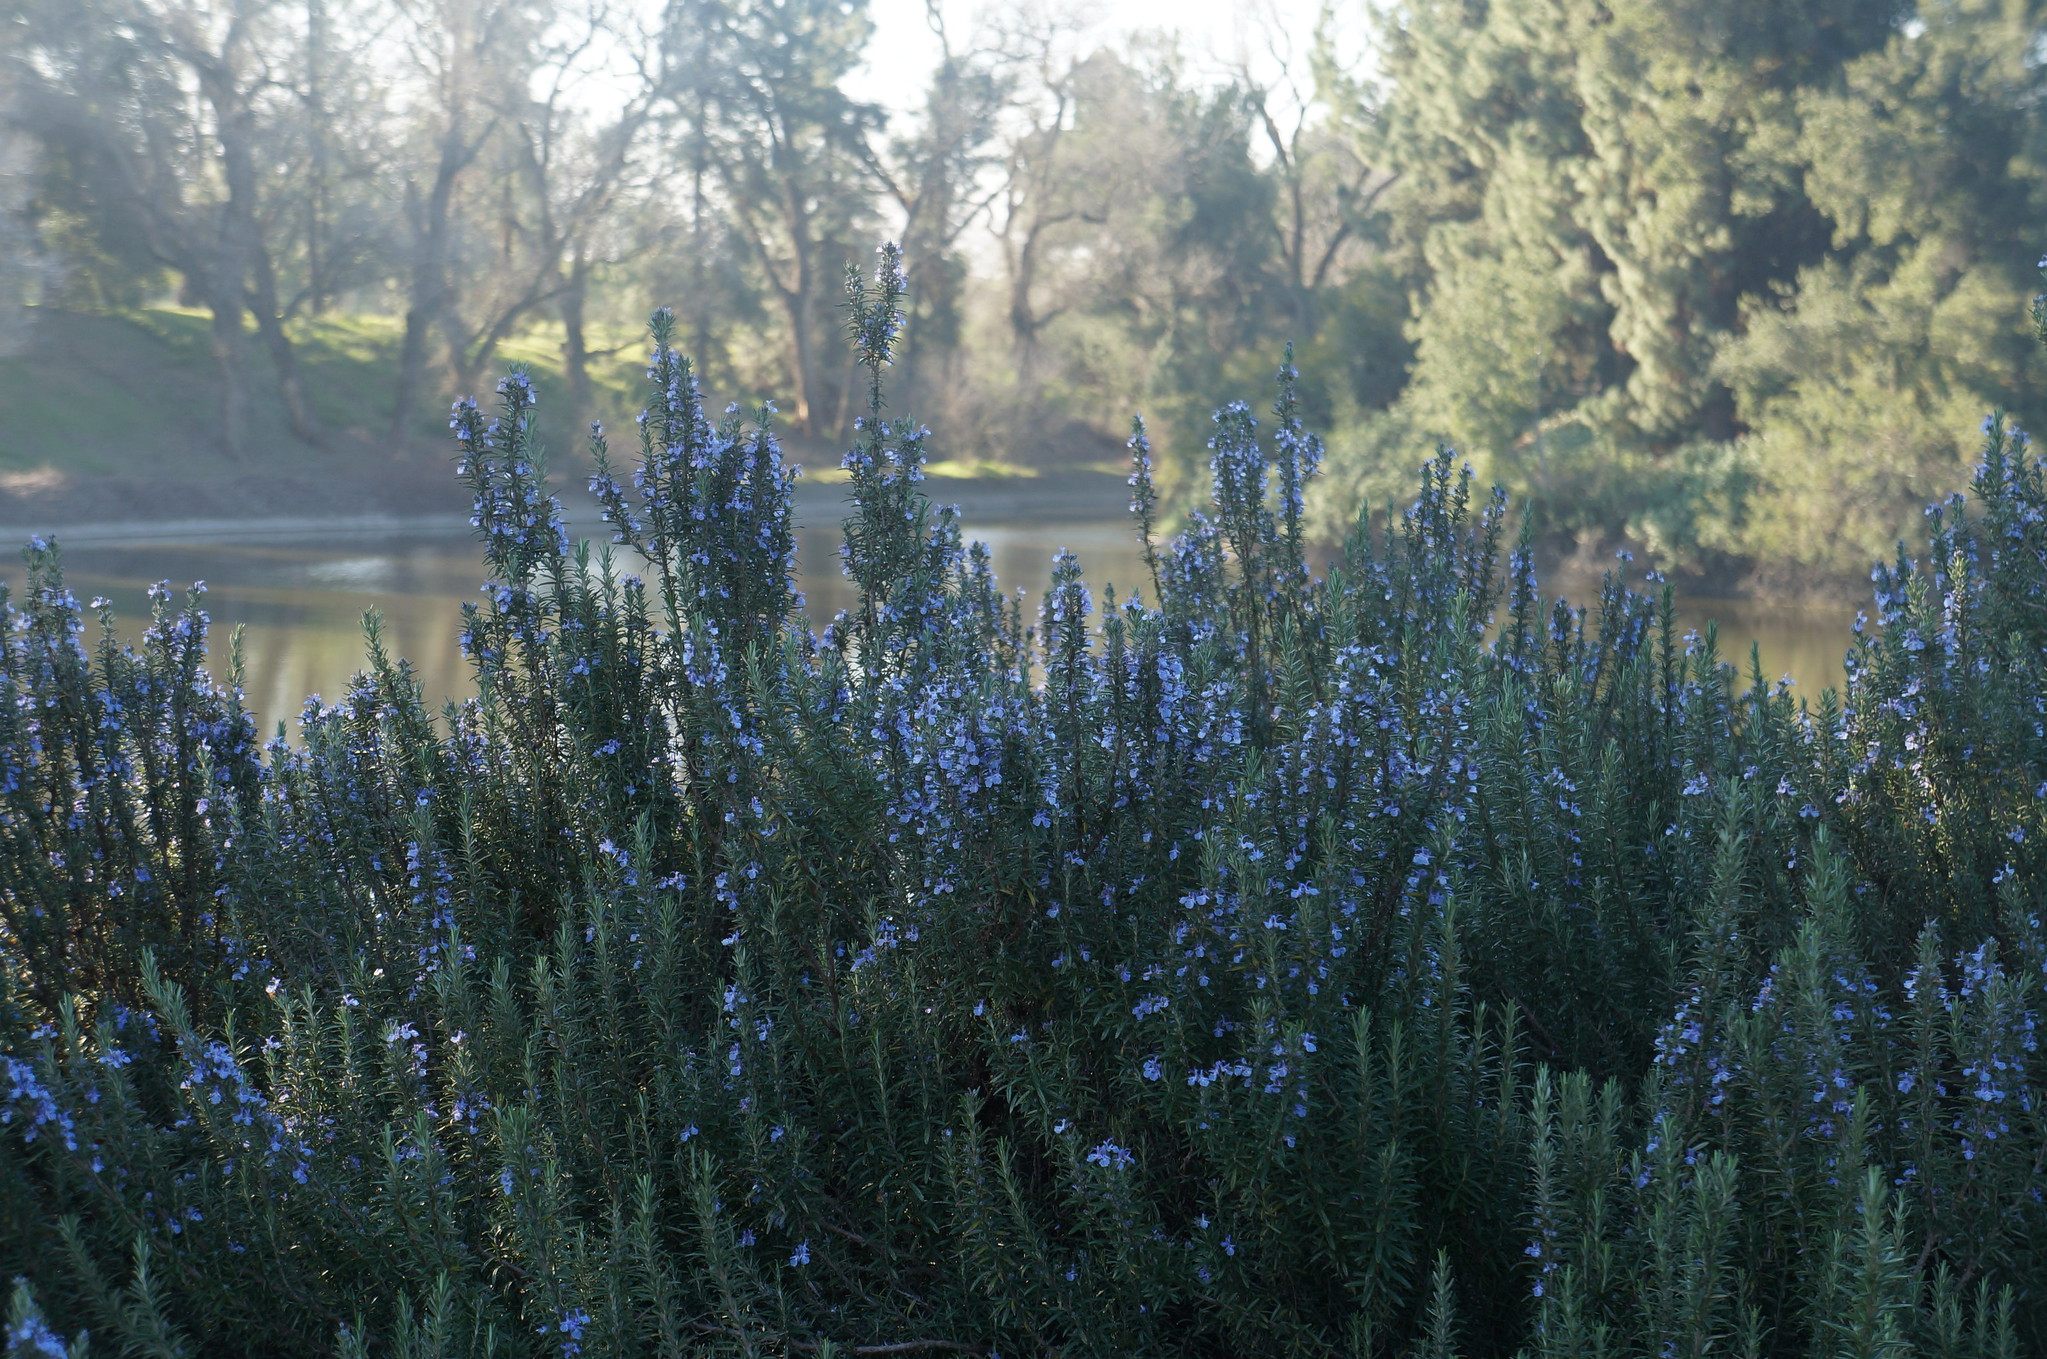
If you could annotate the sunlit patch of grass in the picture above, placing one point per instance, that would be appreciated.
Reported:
(978, 468)
(104, 395)
(91, 394)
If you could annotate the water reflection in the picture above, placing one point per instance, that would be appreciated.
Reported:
(1020, 554)
(1802, 643)
(300, 601)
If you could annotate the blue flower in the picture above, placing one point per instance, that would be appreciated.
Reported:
(572, 1325)
(31, 1338)
(1109, 1156)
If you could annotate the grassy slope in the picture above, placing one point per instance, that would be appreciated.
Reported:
(116, 416)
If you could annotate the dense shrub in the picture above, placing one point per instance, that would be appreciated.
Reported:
(1385, 963)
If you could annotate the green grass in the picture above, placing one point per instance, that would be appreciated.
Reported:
(90, 389)
(137, 394)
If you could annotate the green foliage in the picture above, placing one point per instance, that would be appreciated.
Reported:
(1715, 276)
(1708, 276)
(1390, 962)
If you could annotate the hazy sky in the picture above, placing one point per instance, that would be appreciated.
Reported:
(1213, 33)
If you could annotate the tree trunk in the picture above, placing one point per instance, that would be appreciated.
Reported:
(1024, 321)
(575, 342)
(426, 295)
(411, 359)
(802, 349)
(243, 242)
(283, 356)
(798, 302)
(230, 345)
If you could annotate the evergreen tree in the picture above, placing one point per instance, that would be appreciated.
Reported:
(1928, 158)
(1663, 255)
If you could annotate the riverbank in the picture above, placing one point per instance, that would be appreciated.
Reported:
(1079, 498)
(107, 433)
(107, 440)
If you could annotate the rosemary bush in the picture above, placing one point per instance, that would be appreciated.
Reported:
(1376, 964)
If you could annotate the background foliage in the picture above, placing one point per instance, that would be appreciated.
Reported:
(1710, 277)
(1711, 271)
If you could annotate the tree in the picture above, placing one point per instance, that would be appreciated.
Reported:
(1865, 382)
(1319, 128)
(466, 58)
(339, 228)
(173, 108)
(566, 162)
(1041, 194)
(1594, 197)
(23, 269)
(939, 178)
(580, 166)
(1138, 240)
(791, 155)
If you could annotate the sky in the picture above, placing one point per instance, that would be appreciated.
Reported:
(1214, 34)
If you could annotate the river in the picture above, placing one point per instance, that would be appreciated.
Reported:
(300, 594)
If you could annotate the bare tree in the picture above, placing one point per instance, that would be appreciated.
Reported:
(1040, 195)
(577, 161)
(319, 160)
(462, 52)
(942, 179)
(1136, 235)
(509, 206)
(1315, 127)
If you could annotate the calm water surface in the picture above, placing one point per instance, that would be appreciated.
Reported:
(300, 601)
